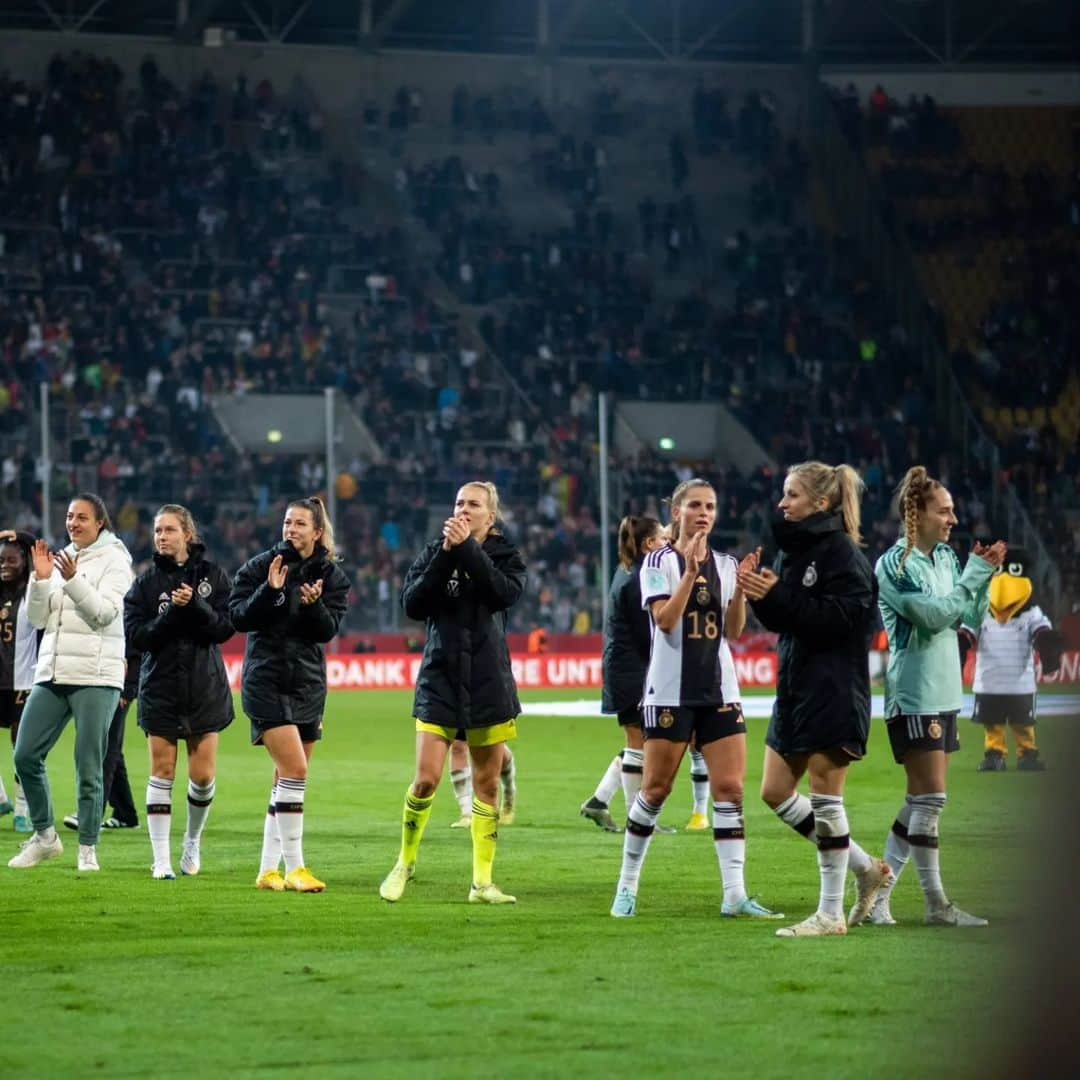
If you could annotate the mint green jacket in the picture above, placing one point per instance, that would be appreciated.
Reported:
(922, 605)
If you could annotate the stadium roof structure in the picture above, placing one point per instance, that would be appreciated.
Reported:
(883, 32)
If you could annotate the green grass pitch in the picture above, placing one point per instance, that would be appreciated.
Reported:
(115, 974)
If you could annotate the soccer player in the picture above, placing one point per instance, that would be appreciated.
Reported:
(177, 615)
(924, 597)
(627, 639)
(822, 601)
(76, 596)
(691, 692)
(462, 585)
(289, 601)
(18, 653)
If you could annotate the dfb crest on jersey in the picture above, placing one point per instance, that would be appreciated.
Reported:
(810, 577)
(205, 588)
(702, 590)
(453, 585)
(280, 599)
(163, 602)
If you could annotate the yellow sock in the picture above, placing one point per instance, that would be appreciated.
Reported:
(413, 819)
(485, 831)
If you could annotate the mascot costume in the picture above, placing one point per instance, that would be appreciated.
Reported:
(1013, 631)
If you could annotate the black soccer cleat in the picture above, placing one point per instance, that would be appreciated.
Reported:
(1030, 762)
(993, 761)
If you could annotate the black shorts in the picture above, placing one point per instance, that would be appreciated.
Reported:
(848, 739)
(309, 732)
(1004, 709)
(929, 731)
(11, 706)
(630, 717)
(701, 723)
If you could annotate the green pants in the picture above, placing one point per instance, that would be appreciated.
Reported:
(44, 718)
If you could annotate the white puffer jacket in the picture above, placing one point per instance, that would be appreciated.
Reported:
(83, 618)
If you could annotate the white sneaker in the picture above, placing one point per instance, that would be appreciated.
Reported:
(817, 925)
(87, 858)
(71, 821)
(162, 873)
(867, 886)
(36, 850)
(189, 858)
(951, 915)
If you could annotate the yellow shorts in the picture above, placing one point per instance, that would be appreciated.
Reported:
(484, 736)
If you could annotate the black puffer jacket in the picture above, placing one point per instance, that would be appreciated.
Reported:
(627, 641)
(824, 608)
(284, 675)
(463, 595)
(183, 688)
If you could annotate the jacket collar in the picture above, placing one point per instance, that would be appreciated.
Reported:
(795, 536)
(167, 562)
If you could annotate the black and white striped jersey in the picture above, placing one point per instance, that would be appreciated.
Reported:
(692, 665)
(1005, 661)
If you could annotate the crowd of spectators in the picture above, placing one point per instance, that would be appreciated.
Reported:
(188, 260)
(1016, 360)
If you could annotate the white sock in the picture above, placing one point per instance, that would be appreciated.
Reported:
(3, 791)
(923, 838)
(797, 812)
(831, 830)
(610, 781)
(699, 782)
(462, 782)
(21, 808)
(289, 811)
(198, 807)
(508, 773)
(633, 768)
(897, 850)
(159, 818)
(640, 822)
(729, 835)
(858, 860)
(271, 848)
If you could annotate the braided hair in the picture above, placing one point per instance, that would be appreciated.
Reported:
(911, 498)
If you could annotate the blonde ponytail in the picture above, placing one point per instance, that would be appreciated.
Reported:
(320, 519)
(840, 486)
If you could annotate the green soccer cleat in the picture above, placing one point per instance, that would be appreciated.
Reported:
(596, 811)
(490, 894)
(749, 909)
(624, 905)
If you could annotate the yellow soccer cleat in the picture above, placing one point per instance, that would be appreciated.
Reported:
(393, 886)
(271, 881)
(303, 880)
(490, 894)
(697, 823)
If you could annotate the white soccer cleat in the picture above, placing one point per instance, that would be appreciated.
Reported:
(87, 858)
(951, 915)
(880, 915)
(189, 858)
(817, 925)
(463, 822)
(490, 894)
(162, 873)
(624, 906)
(867, 886)
(393, 886)
(36, 850)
